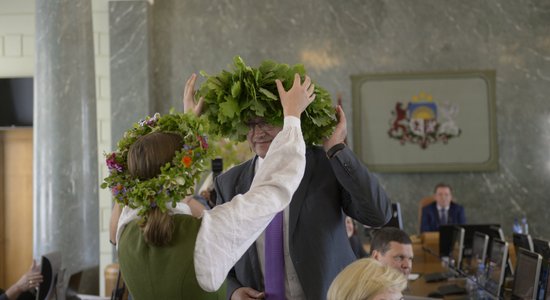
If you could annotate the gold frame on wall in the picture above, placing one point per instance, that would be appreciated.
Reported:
(447, 125)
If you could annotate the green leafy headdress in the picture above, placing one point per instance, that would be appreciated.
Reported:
(232, 99)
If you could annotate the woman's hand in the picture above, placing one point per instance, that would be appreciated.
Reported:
(295, 100)
(189, 104)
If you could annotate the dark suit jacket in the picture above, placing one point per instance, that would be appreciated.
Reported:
(430, 216)
(319, 246)
(357, 246)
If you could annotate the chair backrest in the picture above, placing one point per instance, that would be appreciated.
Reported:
(425, 201)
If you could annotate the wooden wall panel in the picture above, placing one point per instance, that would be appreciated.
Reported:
(2, 217)
(17, 203)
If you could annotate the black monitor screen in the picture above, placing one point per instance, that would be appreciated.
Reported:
(496, 266)
(16, 101)
(458, 244)
(445, 236)
(542, 247)
(479, 250)
(522, 241)
(527, 275)
(396, 219)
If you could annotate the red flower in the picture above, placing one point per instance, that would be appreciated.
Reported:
(186, 160)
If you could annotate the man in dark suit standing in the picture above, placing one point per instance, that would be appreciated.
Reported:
(442, 211)
(315, 244)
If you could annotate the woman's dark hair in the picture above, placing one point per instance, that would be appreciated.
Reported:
(145, 159)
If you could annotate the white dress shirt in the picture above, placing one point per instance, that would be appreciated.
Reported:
(228, 230)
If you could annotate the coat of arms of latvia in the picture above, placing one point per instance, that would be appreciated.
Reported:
(423, 121)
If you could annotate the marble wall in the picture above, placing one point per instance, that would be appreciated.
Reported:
(337, 39)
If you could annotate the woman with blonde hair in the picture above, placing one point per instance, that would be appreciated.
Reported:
(367, 279)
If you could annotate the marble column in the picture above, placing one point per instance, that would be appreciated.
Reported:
(131, 76)
(65, 138)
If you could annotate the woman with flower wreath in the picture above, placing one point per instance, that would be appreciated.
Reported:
(165, 252)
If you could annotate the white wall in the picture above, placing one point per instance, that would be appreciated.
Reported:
(17, 59)
(16, 38)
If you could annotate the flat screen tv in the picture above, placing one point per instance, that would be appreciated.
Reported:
(16, 102)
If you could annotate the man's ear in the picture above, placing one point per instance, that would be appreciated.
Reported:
(375, 254)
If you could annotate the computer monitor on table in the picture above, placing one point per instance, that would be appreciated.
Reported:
(542, 247)
(526, 280)
(497, 233)
(455, 256)
(396, 218)
(49, 267)
(522, 240)
(496, 267)
(480, 244)
(454, 259)
(445, 236)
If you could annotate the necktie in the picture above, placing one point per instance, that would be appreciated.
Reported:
(274, 260)
(442, 216)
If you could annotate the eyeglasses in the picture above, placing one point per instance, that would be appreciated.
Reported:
(261, 124)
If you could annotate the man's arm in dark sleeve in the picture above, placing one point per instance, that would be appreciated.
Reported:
(364, 199)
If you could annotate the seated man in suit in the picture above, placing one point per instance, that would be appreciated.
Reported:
(392, 246)
(442, 211)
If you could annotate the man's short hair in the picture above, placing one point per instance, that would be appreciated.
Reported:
(442, 185)
(382, 238)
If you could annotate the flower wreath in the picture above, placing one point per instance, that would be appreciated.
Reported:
(176, 180)
(232, 99)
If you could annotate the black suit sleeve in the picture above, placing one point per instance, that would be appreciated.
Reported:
(364, 199)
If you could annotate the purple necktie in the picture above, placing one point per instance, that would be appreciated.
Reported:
(274, 277)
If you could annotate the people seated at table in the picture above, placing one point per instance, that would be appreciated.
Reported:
(367, 279)
(443, 211)
(393, 247)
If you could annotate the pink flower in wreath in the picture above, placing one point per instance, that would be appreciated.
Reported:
(112, 164)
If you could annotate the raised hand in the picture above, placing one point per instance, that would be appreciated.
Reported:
(340, 132)
(189, 104)
(295, 100)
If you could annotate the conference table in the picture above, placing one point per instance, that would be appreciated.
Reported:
(427, 261)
